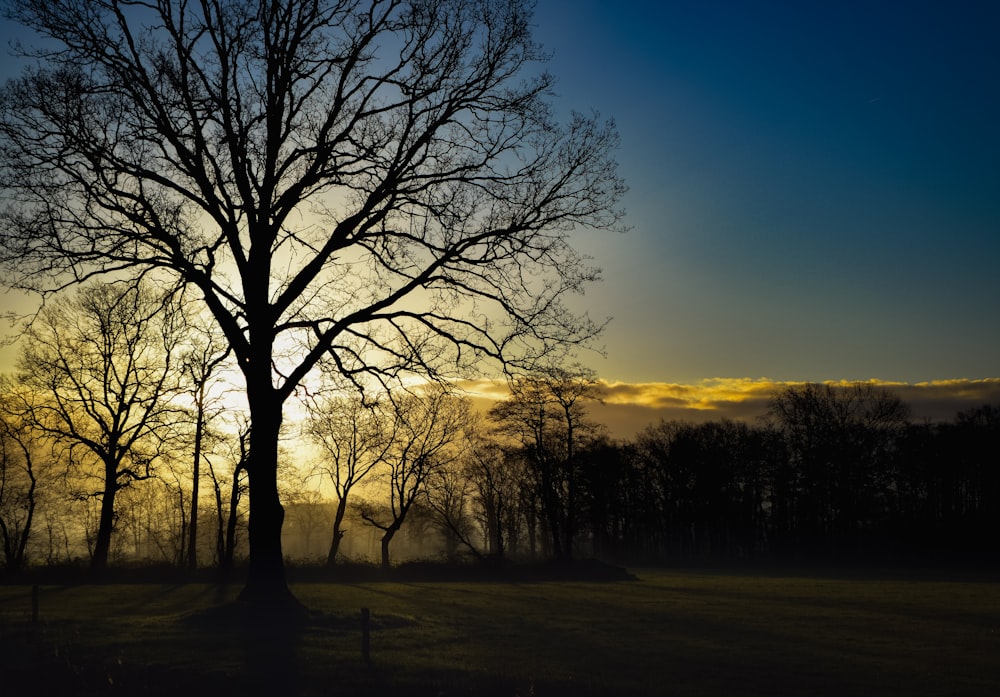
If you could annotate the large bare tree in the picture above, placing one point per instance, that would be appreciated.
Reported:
(379, 182)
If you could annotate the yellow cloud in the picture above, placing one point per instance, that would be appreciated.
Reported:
(707, 394)
(627, 408)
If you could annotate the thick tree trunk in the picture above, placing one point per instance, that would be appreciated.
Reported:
(106, 522)
(266, 581)
(386, 539)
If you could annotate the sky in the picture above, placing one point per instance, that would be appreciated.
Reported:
(814, 194)
(815, 187)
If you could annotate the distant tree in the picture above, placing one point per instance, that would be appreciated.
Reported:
(499, 479)
(378, 183)
(841, 440)
(605, 467)
(205, 353)
(448, 498)
(701, 491)
(18, 473)
(654, 506)
(229, 492)
(308, 516)
(547, 415)
(975, 463)
(101, 365)
(426, 430)
(354, 437)
(151, 520)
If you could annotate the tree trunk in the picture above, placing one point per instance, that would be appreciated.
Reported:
(106, 524)
(229, 548)
(266, 581)
(569, 525)
(386, 539)
(531, 520)
(192, 558)
(550, 506)
(15, 549)
(338, 534)
(498, 549)
(220, 537)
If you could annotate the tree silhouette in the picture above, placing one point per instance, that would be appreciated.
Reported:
(499, 480)
(101, 367)
(839, 439)
(200, 361)
(377, 182)
(546, 414)
(18, 472)
(424, 434)
(354, 438)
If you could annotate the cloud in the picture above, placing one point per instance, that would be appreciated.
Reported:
(705, 395)
(627, 408)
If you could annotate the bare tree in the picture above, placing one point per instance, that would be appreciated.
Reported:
(836, 437)
(354, 438)
(18, 474)
(570, 390)
(499, 479)
(378, 182)
(449, 496)
(151, 520)
(229, 493)
(546, 415)
(425, 434)
(308, 517)
(101, 365)
(202, 359)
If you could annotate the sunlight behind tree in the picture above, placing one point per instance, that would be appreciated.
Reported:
(419, 131)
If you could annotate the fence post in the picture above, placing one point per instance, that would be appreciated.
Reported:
(34, 603)
(365, 633)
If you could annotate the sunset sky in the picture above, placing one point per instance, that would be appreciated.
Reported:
(814, 192)
(815, 187)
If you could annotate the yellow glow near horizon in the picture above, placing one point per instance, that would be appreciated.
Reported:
(626, 408)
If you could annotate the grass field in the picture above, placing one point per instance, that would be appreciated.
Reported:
(667, 633)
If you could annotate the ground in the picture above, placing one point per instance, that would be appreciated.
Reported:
(682, 633)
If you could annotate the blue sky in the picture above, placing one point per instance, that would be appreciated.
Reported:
(815, 187)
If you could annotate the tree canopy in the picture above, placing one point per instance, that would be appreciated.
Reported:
(381, 184)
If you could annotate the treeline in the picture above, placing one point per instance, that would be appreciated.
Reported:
(830, 472)
(122, 441)
(819, 481)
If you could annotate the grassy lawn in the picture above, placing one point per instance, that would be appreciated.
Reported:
(668, 633)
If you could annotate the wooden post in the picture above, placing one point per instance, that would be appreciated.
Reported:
(365, 633)
(34, 603)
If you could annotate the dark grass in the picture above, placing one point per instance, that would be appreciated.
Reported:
(356, 572)
(666, 633)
